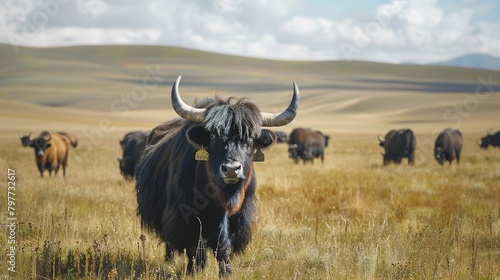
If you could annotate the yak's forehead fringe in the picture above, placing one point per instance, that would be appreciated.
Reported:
(232, 118)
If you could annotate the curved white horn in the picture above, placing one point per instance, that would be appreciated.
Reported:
(285, 117)
(380, 138)
(182, 109)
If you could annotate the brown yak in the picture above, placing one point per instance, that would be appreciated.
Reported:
(51, 152)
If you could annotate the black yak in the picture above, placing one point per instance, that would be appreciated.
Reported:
(399, 144)
(133, 145)
(196, 182)
(306, 144)
(490, 139)
(448, 146)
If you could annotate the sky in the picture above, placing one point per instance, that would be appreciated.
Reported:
(394, 31)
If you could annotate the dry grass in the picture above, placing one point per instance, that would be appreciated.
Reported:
(348, 218)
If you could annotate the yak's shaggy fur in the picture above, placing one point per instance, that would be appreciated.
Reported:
(182, 199)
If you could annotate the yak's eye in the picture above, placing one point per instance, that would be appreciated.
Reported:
(212, 136)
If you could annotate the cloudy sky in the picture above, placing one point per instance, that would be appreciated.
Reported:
(378, 30)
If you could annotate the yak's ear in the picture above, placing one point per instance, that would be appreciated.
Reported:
(267, 137)
(198, 136)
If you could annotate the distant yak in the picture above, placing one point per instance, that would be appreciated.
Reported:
(490, 140)
(448, 146)
(398, 144)
(306, 144)
(281, 136)
(196, 181)
(133, 145)
(51, 151)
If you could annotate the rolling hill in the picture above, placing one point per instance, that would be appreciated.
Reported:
(78, 87)
(474, 60)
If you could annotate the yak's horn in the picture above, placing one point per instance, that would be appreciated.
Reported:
(182, 109)
(285, 117)
(197, 115)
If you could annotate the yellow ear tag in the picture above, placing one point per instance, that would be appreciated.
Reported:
(201, 154)
(259, 156)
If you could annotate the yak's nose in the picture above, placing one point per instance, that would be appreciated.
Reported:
(230, 169)
(231, 172)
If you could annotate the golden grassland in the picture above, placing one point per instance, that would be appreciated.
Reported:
(349, 218)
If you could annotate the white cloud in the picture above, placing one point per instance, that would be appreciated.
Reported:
(400, 30)
(92, 7)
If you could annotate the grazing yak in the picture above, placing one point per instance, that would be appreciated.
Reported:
(133, 145)
(306, 144)
(490, 139)
(448, 146)
(51, 152)
(196, 181)
(399, 144)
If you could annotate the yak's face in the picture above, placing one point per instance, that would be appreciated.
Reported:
(327, 140)
(229, 164)
(40, 145)
(439, 155)
(485, 141)
(25, 140)
(127, 167)
(230, 130)
(293, 151)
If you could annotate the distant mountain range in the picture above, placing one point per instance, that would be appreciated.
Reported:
(474, 60)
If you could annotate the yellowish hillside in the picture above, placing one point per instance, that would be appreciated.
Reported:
(76, 87)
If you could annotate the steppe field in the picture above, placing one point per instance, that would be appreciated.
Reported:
(347, 218)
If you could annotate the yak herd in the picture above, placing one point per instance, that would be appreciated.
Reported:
(194, 176)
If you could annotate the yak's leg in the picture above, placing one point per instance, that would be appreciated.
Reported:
(411, 158)
(222, 254)
(169, 253)
(197, 256)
